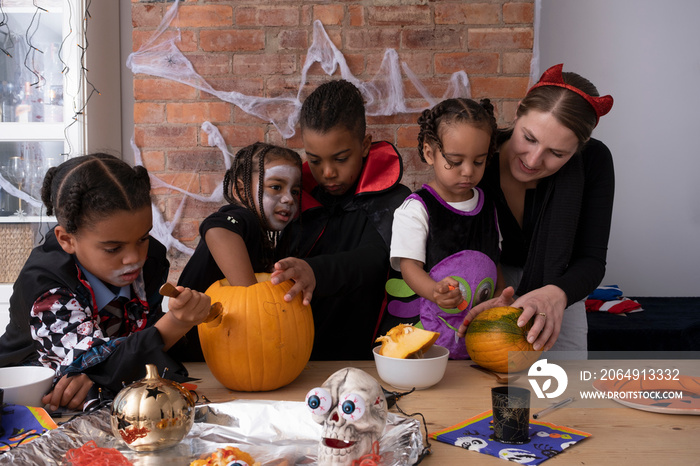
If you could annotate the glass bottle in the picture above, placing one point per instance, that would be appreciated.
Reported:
(53, 87)
(23, 111)
(36, 101)
(8, 97)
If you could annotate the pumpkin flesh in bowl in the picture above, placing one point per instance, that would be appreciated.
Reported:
(261, 342)
(494, 341)
(406, 342)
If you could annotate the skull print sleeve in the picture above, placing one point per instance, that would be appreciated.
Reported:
(65, 332)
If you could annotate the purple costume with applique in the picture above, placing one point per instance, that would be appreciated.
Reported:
(465, 246)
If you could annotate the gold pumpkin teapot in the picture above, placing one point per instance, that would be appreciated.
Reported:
(152, 413)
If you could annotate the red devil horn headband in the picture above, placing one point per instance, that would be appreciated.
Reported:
(553, 77)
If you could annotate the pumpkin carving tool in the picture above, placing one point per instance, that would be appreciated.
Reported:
(215, 311)
(461, 306)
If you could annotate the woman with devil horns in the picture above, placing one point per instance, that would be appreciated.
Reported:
(553, 186)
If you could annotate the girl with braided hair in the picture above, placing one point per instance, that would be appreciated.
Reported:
(86, 302)
(262, 187)
(445, 238)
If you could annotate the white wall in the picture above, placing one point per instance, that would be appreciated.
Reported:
(104, 133)
(127, 81)
(646, 54)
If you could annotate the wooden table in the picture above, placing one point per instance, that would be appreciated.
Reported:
(620, 435)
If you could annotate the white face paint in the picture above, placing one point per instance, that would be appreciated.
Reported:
(281, 191)
(125, 275)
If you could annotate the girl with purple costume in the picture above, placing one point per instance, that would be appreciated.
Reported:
(445, 237)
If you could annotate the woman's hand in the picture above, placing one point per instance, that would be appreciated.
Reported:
(505, 299)
(301, 273)
(547, 305)
(69, 391)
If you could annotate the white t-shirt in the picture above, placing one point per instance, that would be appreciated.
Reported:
(409, 232)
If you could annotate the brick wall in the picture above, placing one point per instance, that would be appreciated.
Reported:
(259, 47)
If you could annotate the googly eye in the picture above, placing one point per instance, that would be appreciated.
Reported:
(237, 463)
(483, 291)
(351, 407)
(319, 401)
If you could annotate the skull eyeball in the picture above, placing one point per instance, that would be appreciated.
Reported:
(351, 407)
(319, 401)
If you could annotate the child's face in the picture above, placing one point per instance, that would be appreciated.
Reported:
(281, 191)
(335, 158)
(466, 148)
(114, 249)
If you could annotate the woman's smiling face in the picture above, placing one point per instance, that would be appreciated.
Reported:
(539, 146)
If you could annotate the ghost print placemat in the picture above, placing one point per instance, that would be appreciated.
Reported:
(546, 440)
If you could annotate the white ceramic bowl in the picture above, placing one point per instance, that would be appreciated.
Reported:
(406, 374)
(25, 385)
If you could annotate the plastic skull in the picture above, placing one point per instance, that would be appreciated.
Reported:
(352, 409)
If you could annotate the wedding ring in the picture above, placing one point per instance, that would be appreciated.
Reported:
(542, 314)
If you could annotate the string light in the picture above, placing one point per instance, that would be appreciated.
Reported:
(83, 78)
(85, 88)
(30, 58)
(31, 48)
(3, 23)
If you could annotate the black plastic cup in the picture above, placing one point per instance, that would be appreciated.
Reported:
(511, 414)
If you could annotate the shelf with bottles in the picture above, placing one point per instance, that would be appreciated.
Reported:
(32, 68)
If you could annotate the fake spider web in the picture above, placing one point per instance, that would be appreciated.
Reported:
(160, 56)
(384, 95)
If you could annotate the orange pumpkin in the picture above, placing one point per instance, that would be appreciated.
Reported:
(406, 342)
(495, 341)
(259, 342)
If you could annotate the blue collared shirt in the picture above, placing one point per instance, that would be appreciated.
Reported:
(103, 295)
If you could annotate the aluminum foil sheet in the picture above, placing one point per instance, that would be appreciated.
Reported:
(275, 433)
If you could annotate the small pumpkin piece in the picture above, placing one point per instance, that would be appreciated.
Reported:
(406, 342)
(495, 341)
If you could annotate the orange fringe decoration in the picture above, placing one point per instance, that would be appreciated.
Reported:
(91, 455)
(370, 459)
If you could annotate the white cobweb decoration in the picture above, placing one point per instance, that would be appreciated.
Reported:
(384, 95)
(163, 230)
(11, 189)
(160, 56)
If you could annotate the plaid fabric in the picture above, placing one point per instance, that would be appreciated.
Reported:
(112, 317)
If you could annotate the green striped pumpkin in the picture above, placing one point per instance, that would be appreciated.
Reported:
(493, 334)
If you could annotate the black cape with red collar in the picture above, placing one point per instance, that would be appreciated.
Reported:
(48, 267)
(346, 239)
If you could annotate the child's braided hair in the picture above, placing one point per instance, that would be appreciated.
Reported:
(238, 186)
(249, 160)
(433, 121)
(332, 104)
(84, 189)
